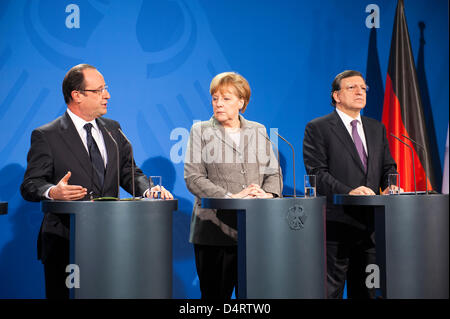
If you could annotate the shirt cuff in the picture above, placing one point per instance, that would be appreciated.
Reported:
(47, 192)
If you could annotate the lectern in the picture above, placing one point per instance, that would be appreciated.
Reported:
(411, 234)
(3, 208)
(123, 249)
(281, 246)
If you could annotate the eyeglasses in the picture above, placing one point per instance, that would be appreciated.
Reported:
(353, 88)
(98, 91)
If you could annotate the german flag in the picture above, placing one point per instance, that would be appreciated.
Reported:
(402, 110)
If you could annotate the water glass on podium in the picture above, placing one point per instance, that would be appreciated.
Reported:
(394, 184)
(310, 186)
(155, 181)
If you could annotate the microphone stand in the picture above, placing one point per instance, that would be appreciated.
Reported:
(117, 154)
(278, 161)
(279, 171)
(293, 158)
(412, 156)
(426, 161)
(132, 160)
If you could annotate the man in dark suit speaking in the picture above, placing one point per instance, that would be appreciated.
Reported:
(349, 154)
(75, 158)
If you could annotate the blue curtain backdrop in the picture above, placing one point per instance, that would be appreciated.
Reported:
(158, 58)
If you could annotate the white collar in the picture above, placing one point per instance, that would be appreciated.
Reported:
(79, 122)
(347, 119)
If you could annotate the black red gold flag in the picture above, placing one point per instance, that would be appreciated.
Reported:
(403, 112)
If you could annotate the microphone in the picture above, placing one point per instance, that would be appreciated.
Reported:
(132, 160)
(117, 154)
(278, 162)
(412, 156)
(426, 161)
(293, 158)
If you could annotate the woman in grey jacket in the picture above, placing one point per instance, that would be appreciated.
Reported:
(227, 156)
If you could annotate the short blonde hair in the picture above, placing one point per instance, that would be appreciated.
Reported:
(234, 80)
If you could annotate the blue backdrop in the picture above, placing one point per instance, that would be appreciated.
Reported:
(158, 58)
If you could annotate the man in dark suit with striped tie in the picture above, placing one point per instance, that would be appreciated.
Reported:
(75, 158)
(349, 154)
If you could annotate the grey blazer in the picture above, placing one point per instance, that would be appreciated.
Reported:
(216, 167)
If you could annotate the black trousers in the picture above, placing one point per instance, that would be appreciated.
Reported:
(217, 271)
(55, 264)
(349, 251)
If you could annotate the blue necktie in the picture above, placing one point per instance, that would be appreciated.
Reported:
(94, 153)
(359, 144)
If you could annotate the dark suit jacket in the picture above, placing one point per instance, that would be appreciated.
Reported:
(330, 154)
(56, 148)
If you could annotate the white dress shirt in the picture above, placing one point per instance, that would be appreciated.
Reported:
(96, 134)
(346, 119)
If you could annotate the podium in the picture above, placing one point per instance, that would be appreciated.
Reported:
(3, 208)
(281, 246)
(123, 249)
(412, 248)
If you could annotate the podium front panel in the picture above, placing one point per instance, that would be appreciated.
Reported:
(417, 247)
(123, 249)
(412, 243)
(281, 246)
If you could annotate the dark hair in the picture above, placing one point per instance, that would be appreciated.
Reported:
(336, 85)
(74, 81)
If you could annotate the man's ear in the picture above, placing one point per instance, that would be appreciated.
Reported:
(75, 96)
(335, 97)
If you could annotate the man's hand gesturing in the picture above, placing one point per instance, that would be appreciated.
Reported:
(64, 191)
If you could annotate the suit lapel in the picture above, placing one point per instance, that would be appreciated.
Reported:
(342, 134)
(247, 135)
(370, 142)
(73, 141)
